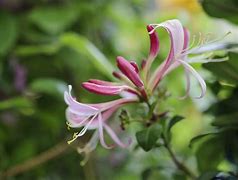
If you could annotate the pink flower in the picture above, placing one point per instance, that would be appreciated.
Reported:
(93, 116)
(136, 85)
(179, 55)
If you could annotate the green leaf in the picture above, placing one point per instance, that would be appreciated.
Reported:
(148, 173)
(199, 138)
(83, 46)
(225, 71)
(16, 102)
(53, 87)
(25, 150)
(229, 120)
(76, 42)
(208, 175)
(225, 106)
(30, 50)
(54, 19)
(209, 154)
(147, 138)
(8, 32)
(227, 9)
(173, 121)
(168, 124)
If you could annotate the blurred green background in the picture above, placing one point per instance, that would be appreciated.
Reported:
(47, 44)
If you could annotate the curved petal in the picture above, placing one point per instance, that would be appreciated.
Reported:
(176, 33)
(154, 48)
(75, 120)
(81, 108)
(89, 147)
(101, 135)
(114, 137)
(186, 38)
(197, 76)
(154, 42)
(188, 84)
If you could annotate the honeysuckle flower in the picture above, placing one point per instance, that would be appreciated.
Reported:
(136, 85)
(179, 55)
(93, 116)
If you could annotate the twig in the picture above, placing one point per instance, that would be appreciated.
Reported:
(179, 164)
(49, 154)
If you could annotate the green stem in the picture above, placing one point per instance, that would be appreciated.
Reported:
(179, 164)
(89, 170)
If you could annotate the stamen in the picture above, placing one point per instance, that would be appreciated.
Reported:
(207, 37)
(192, 46)
(198, 58)
(68, 125)
(220, 38)
(79, 124)
(83, 131)
(215, 60)
(206, 43)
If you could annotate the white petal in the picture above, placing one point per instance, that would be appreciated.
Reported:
(114, 137)
(188, 84)
(101, 135)
(197, 76)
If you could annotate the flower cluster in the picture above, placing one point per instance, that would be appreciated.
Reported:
(136, 84)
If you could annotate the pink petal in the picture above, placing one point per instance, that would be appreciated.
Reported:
(74, 119)
(117, 75)
(104, 89)
(80, 108)
(186, 38)
(110, 84)
(154, 42)
(129, 70)
(86, 127)
(123, 78)
(101, 82)
(101, 135)
(114, 104)
(143, 64)
(133, 63)
(176, 33)
(154, 49)
(114, 137)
